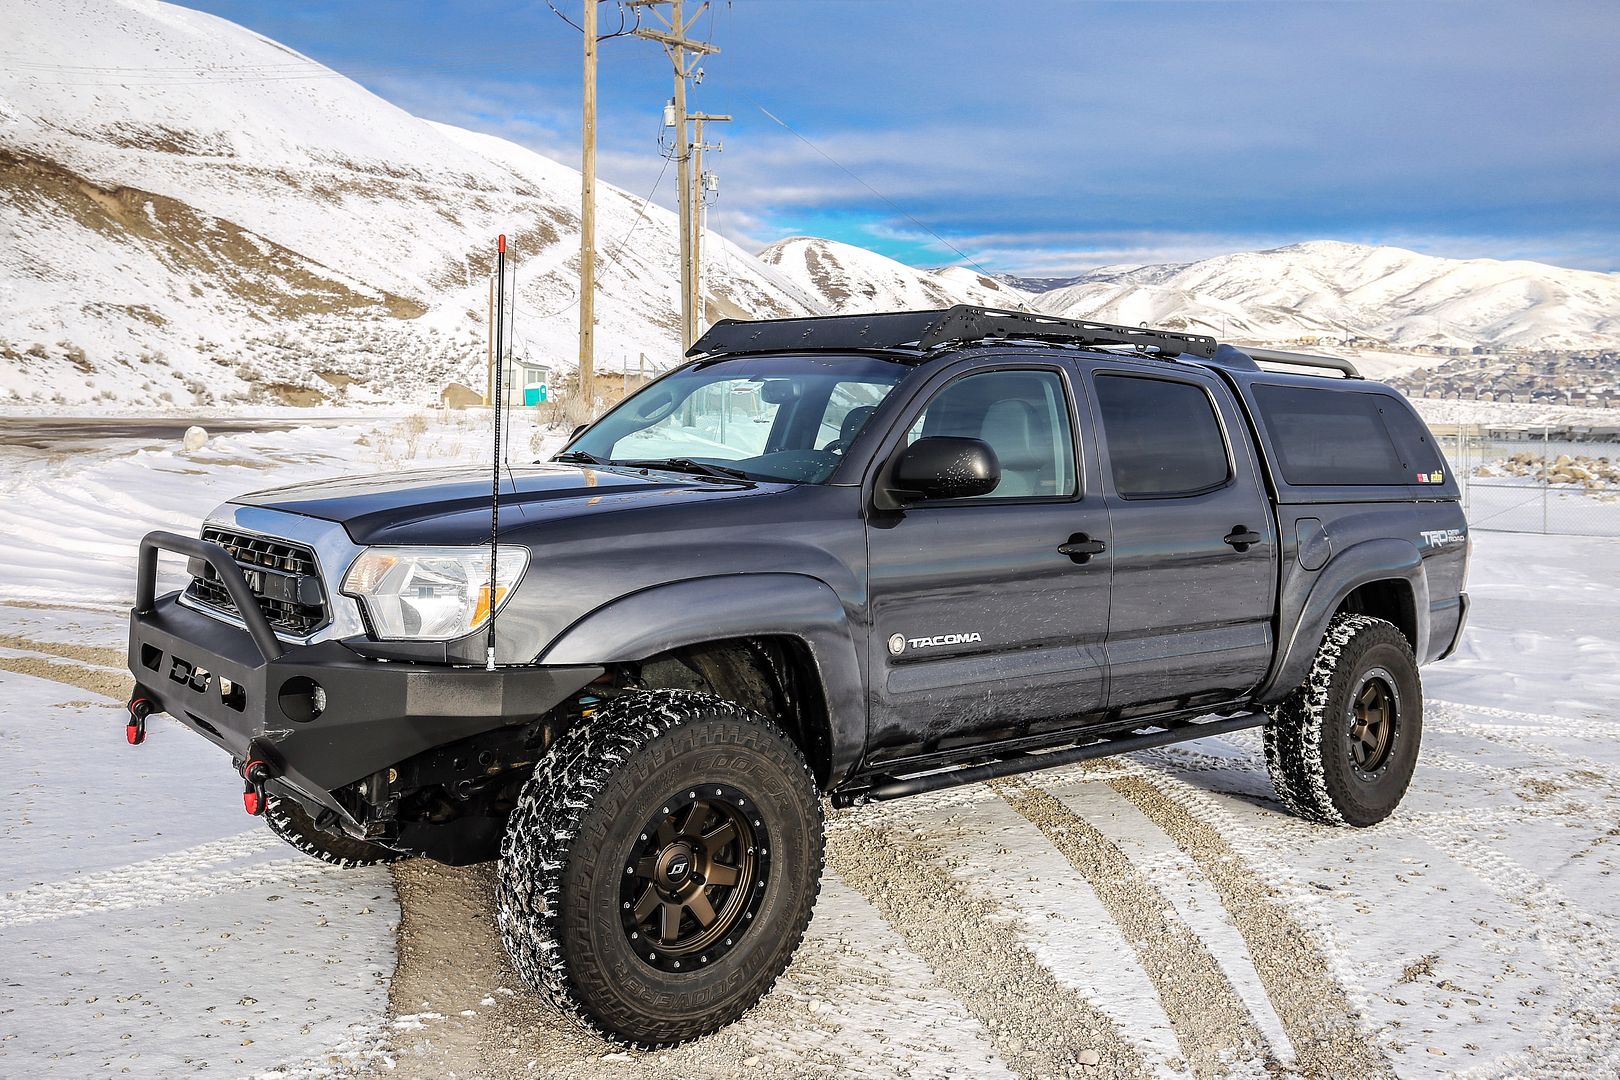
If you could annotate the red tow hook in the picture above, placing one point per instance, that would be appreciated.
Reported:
(135, 730)
(254, 774)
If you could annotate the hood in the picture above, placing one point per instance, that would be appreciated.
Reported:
(451, 506)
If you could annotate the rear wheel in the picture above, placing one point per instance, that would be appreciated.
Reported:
(661, 865)
(289, 821)
(1341, 748)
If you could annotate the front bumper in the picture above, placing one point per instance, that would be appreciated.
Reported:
(251, 694)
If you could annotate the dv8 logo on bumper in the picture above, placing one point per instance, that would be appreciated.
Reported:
(184, 673)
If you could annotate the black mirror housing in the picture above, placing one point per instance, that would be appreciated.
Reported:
(941, 467)
(577, 430)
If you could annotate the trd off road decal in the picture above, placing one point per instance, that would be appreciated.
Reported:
(898, 643)
(1442, 537)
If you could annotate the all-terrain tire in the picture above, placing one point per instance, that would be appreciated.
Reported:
(594, 815)
(1316, 743)
(289, 821)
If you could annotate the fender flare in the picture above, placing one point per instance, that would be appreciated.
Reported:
(1384, 559)
(696, 610)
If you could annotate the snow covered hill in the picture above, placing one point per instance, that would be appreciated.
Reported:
(844, 278)
(190, 212)
(1337, 290)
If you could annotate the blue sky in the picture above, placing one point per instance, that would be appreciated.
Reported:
(1048, 138)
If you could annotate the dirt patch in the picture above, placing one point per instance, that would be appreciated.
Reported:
(301, 396)
(108, 684)
(1212, 1025)
(457, 1009)
(88, 654)
(273, 281)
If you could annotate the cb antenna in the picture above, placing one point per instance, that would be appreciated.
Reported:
(495, 473)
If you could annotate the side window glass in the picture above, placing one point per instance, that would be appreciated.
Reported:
(1164, 439)
(1332, 437)
(1023, 415)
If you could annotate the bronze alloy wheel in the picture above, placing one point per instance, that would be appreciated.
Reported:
(1342, 747)
(694, 877)
(1374, 717)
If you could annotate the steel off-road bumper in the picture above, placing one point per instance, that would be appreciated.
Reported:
(254, 695)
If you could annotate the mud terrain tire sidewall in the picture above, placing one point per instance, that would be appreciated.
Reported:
(288, 820)
(1306, 738)
(563, 863)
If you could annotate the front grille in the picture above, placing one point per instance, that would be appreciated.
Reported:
(282, 575)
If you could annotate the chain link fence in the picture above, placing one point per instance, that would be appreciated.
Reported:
(1555, 478)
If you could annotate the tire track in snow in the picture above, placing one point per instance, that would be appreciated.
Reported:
(1037, 1025)
(1212, 1024)
(165, 879)
(109, 684)
(1580, 951)
(1317, 1014)
(87, 654)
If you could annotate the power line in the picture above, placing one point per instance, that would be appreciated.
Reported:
(618, 248)
(622, 31)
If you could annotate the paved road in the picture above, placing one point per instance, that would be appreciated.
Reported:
(48, 433)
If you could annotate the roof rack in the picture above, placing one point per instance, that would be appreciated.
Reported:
(922, 331)
(1295, 359)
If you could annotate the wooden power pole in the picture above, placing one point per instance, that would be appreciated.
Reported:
(694, 254)
(587, 220)
(676, 42)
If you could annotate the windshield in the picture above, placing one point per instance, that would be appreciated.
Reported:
(787, 418)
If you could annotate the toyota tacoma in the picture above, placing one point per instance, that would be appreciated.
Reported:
(851, 557)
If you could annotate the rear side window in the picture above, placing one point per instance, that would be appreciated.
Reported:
(1328, 437)
(1164, 439)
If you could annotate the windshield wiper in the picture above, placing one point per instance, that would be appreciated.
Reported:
(687, 465)
(579, 457)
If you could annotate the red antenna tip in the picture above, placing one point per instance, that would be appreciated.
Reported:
(500, 244)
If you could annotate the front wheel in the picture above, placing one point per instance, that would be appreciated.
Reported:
(660, 867)
(1341, 749)
(293, 824)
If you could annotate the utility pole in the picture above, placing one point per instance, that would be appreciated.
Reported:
(587, 219)
(699, 180)
(673, 37)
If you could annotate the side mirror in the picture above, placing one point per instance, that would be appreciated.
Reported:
(577, 430)
(940, 467)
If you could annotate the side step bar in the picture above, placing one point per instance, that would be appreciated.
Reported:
(883, 788)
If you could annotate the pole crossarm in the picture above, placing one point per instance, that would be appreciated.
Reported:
(672, 41)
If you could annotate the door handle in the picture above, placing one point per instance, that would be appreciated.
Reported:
(1242, 537)
(1081, 548)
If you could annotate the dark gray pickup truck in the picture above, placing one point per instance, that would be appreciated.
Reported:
(859, 557)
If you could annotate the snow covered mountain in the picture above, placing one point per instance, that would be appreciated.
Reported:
(1337, 290)
(848, 279)
(190, 212)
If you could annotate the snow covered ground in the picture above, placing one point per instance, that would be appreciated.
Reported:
(1151, 915)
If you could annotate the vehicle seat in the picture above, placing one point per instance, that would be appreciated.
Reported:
(854, 421)
(1010, 428)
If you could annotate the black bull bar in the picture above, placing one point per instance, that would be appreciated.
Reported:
(252, 694)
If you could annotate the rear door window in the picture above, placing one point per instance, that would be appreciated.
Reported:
(1331, 437)
(1164, 439)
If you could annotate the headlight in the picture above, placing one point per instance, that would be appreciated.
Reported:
(431, 593)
